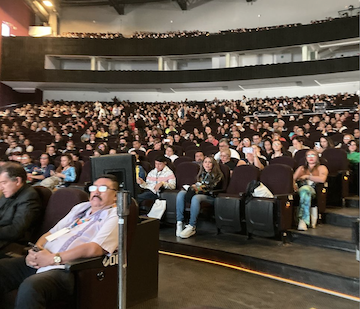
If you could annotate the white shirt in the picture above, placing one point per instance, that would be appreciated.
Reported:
(103, 231)
(233, 154)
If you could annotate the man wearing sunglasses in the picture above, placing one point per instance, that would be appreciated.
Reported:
(90, 229)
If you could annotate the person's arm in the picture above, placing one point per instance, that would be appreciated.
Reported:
(88, 250)
(241, 162)
(36, 177)
(323, 173)
(68, 175)
(298, 173)
(257, 162)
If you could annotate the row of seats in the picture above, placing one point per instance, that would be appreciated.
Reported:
(230, 211)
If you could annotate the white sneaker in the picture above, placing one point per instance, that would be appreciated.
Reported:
(188, 231)
(179, 228)
(302, 225)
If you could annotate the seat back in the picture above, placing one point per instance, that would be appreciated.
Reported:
(85, 175)
(178, 150)
(337, 160)
(44, 194)
(146, 166)
(226, 172)
(181, 160)
(284, 160)
(152, 155)
(191, 153)
(186, 173)
(60, 203)
(78, 168)
(278, 178)
(240, 178)
(300, 154)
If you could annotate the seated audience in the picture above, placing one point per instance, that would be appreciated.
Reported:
(92, 231)
(27, 164)
(253, 157)
(224, 145)
(278, 150)
(353, 157)
(297, 144)
(305, 179)
(324, 143)
(268, 150)
(170, 153)
(160, 178)
(208, 180)
(43, 171)
(226, 159)
(20, 206)
(199, 157)
(64, 174)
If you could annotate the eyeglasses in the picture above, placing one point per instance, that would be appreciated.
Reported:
(100, 188)
(311, 156)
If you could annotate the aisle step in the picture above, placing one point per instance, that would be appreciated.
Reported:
(327, 236)
(343, 217)
(352, 201)
(317, 266)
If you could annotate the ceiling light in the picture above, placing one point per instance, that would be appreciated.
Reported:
(48, 3)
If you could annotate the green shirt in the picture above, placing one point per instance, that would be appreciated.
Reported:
(354, 157)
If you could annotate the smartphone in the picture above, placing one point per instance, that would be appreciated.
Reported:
(317, 144)
(166, 140)
(34, 247)
(247, 150)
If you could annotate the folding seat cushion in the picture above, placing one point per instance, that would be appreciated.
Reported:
(268, 217)
(230, 206)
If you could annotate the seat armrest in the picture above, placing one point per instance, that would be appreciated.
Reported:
(284, 196)
(81, 264)
(214, 193)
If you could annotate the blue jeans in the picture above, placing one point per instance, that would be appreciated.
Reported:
(194, 207)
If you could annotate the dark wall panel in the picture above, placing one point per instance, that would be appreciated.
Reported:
(213, 75)
(24, 57)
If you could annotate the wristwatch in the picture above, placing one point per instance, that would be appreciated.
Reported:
(57, 259)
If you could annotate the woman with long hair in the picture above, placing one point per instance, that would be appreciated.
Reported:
(279, 150)
(63, 175)
(305, 179)
(208, 179)
(325, 142)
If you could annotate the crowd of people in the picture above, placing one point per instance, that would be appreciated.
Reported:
(53, 139)
(181, 33)
(92, 35)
